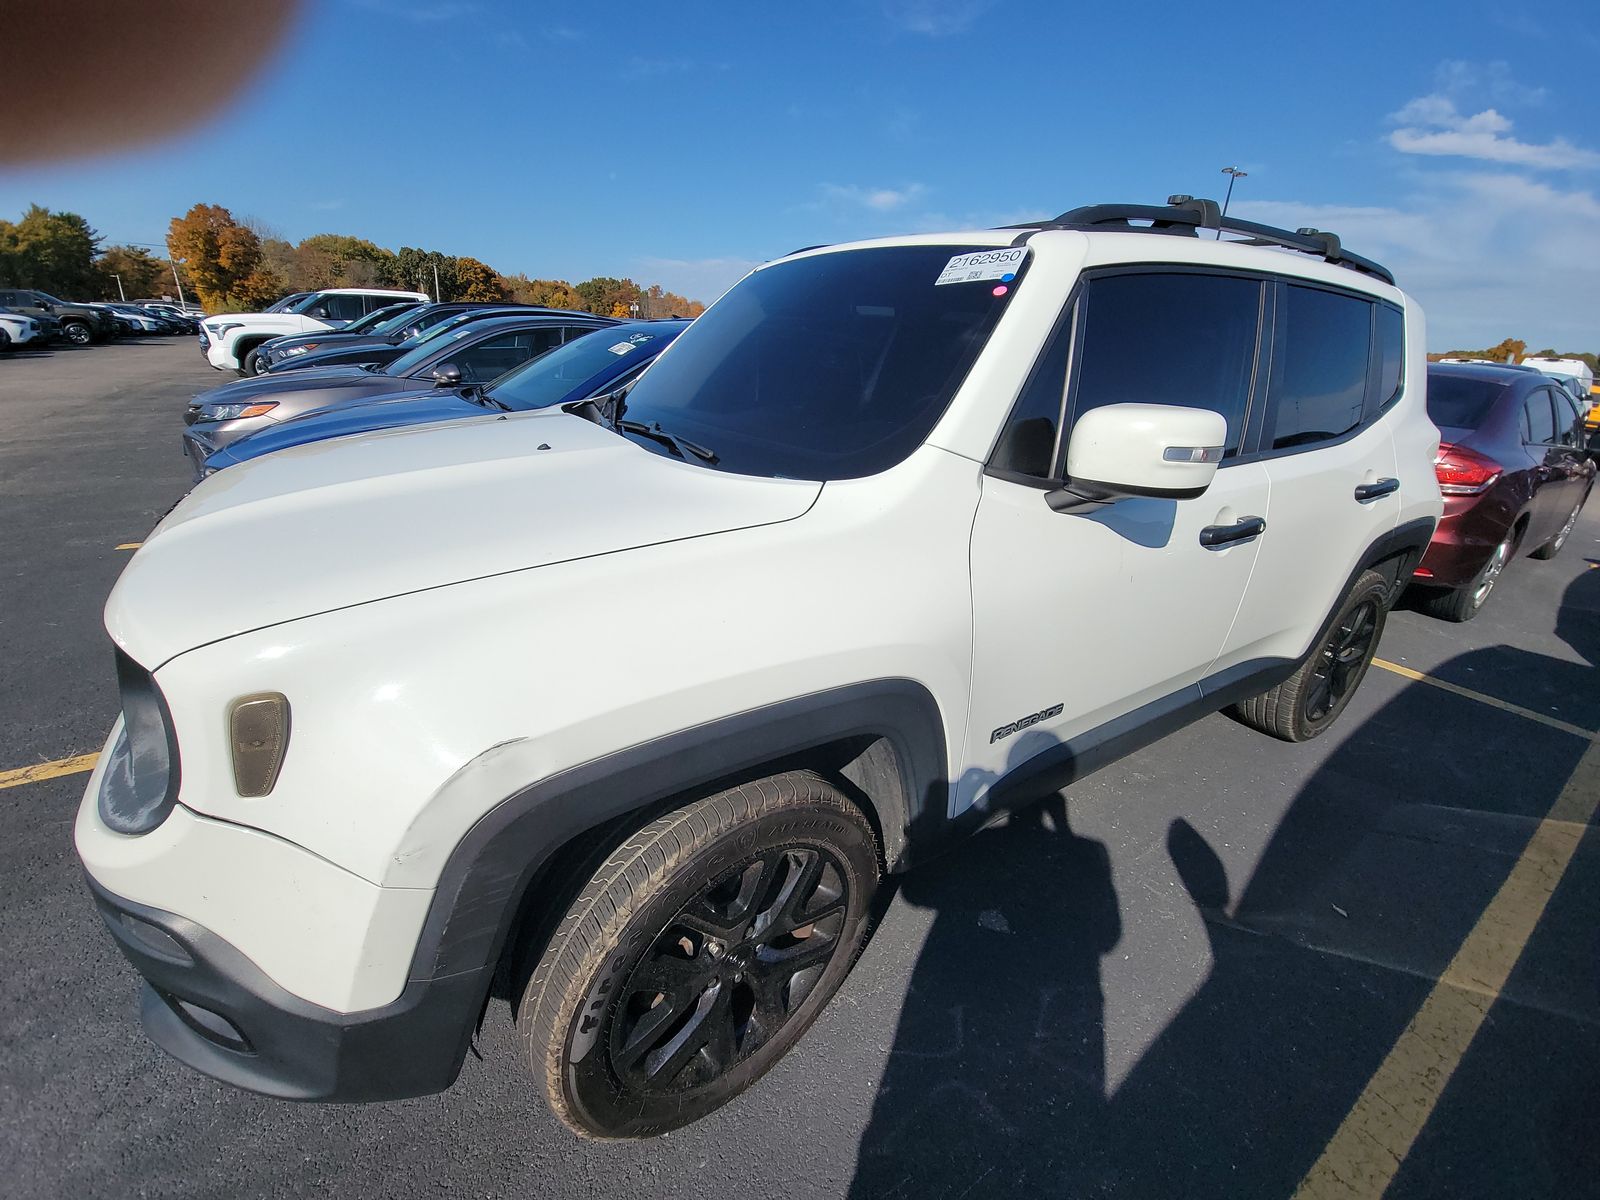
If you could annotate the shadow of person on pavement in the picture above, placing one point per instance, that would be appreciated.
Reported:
(1343, 911)
(1014, 960)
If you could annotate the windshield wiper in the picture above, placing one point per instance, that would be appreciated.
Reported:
(677, 445)
(476, 395)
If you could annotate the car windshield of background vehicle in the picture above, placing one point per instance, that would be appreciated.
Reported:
(552, 377)
(378, 317)
(1460, 402)
(833, 366)
(426, 345)
(287, 303)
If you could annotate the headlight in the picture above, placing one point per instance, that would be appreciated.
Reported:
(219, 330)
(234, 412)
(302, 349)
(140, 782)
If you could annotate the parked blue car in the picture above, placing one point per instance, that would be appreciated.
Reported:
(589, 366)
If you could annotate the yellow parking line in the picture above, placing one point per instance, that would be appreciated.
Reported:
(1503, 705)
(39, 772)
(1365, 1153)
(130, 545)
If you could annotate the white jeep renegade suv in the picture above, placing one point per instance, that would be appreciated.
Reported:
(227, 339)
(621, 711)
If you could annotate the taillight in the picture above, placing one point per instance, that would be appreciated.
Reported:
(1463, 472)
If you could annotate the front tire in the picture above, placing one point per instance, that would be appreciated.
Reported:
(698, 954)
(254, 364)
(1309, 701)
(77, 333)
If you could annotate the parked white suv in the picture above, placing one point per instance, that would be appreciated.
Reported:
(620, 712)
(227, 340)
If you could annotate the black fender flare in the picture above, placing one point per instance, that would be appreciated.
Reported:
(901, 771)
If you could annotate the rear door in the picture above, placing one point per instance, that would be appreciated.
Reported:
(1330, 461)
(1081, 618)
(1565, 472)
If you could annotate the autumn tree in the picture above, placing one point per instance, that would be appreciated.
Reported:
(413, 269)
(223, 259)
(139, 272)
(51, 251)
(338, 260)
(548, 293)
(476, 281)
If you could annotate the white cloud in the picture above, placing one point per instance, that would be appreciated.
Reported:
(1488, 254)
(879, 199)
(1433, 125)
(935, 18)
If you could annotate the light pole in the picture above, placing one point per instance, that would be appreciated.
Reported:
(172, 262)
(120, 292)
(1233, 174)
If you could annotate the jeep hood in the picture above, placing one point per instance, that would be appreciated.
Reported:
(334, 524)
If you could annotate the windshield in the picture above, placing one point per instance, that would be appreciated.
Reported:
(553, 377)
(829, 367)
(395, 320)
(1460, 401)
(289, 300)
(426, 345)
(382, 316)
(48, 298)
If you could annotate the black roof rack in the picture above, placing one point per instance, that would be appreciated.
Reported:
(1185, 216)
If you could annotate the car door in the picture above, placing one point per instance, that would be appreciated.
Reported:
(1330, 461)
(1563, 472)
(1083, 618)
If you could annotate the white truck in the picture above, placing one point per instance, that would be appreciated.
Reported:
(1576, 374)
(228, 339)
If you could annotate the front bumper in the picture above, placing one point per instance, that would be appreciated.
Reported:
(205, 438)
(210, 1007)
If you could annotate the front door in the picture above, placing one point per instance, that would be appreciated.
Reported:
(1079, 619)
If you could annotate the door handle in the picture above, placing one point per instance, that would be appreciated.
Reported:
(1371, 491)
(1214, 537)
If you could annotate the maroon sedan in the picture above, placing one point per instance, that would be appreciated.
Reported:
(1515, 472)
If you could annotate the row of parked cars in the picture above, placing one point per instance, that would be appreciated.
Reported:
(617, 691)
(405, 361)
(30, 319)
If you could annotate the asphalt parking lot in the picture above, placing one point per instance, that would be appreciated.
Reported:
(1224, 967)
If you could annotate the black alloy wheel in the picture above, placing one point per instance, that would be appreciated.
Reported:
(728, 972)
(1342, 661)
(698, 954)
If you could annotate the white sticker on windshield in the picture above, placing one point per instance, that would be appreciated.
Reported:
(983, 264)
(624, 348)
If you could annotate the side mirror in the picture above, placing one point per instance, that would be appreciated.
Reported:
(448, 375)
(1140, 450)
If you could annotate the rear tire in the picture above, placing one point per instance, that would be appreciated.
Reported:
(1467, 601)
(1310, 700)
(1553, 547)
(698, 954)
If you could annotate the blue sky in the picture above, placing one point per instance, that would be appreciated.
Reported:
(680, 143)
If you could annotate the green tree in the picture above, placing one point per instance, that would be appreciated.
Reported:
(52, 251)
(222, 258)
(603, 295)
(413, 270)
(141, 273)
(549, 293)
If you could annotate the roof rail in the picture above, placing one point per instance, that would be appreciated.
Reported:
(1185, 216)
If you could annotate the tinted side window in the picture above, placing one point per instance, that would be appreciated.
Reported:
(1184, 339)
(1568, 422)
(1538, 423)
(1390, 327)
(493, 358)
(1319, 368)
(1028, 444)
(340, 308)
